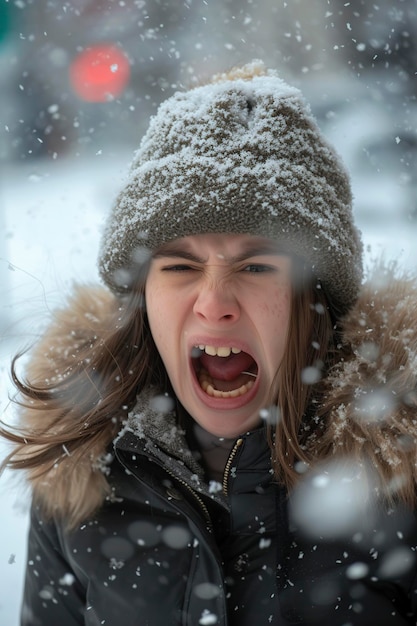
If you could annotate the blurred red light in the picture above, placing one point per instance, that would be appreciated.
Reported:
(99, 73)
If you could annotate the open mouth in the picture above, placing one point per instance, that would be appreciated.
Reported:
(224, 371)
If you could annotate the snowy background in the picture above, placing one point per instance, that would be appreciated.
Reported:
(63, 155)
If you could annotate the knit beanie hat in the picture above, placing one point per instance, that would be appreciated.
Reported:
(239, 155)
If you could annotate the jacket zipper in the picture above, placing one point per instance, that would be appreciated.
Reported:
(189, 488)
(196, 496)
(228, 466)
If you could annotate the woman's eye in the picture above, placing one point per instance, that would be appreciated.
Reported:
(255, 268)
(177, 268)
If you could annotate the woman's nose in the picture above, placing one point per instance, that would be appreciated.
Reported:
(216, 303)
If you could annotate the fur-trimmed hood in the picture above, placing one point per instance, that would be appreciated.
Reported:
(370, 404)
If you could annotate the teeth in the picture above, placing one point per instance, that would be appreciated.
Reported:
(207, 385)
(223, 351)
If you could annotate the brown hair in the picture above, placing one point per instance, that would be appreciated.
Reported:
(309, 353)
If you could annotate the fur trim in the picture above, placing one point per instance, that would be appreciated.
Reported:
(76, 485)
(371, 403)
(83, 320)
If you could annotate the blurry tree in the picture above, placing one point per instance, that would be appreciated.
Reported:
(5, 20)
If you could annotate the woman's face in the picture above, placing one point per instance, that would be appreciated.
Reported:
(218, 308)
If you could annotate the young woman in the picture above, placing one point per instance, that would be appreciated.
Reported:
(225, 433)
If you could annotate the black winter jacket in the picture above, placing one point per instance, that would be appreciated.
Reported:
(167, 548)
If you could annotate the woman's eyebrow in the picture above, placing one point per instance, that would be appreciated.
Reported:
(256, 250)
(175, 252)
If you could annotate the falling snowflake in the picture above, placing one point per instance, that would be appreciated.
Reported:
(207, 618)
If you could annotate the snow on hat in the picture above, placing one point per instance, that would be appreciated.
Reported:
(239, 155)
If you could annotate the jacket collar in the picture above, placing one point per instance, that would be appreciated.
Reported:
(155, 433)
(153, 423)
